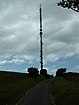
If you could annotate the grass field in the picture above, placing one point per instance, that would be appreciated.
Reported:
(14, 85)
(65, 92)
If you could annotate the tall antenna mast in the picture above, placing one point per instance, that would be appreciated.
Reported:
(41, 42)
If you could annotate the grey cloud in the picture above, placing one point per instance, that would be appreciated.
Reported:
(19, 29)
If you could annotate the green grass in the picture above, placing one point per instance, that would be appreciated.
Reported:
(65, 92)
(14, 85)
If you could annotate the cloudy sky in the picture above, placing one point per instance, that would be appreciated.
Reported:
(19, 36)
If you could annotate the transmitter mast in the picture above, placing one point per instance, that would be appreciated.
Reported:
(41, 42)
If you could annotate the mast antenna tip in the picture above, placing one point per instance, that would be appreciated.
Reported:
(40, 5)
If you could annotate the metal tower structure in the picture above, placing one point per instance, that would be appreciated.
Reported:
(41, 42)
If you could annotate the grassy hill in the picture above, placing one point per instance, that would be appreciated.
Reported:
(14, 85)
(65, 92)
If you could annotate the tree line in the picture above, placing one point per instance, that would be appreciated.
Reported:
(34, 72)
